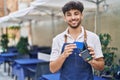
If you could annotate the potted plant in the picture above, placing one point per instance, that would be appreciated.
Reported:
(14, 27)
(12, 33)
(109, 55)
(4, 42)
(22, 46)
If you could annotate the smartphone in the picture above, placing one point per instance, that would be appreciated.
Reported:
(85, 54)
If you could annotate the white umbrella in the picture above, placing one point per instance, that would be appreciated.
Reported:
(7, 21)
(21, 13)
(38, 2)
(5, 18)
(12, 17)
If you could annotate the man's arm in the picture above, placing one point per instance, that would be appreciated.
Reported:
(57, 64)
(97, 64)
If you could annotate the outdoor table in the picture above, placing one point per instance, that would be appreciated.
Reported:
(19, 68)
(8, 57)
(56, 76)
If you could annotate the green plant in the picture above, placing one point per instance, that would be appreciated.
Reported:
(14, 27)
(22, 46)
(109, 54)
(14, 30)
(4, 42)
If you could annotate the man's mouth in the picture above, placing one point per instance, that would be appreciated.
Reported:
(73, 22)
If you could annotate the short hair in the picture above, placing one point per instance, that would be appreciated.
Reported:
(73, 5)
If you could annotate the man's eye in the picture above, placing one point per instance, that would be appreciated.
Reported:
(68, 14)
(76, 13)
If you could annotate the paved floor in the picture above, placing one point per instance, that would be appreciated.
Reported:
(4, 75)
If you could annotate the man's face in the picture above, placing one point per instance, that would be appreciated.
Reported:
(73, 18)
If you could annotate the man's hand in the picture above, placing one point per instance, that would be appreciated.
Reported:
(91, 52)
(68, 49)
(97, 63)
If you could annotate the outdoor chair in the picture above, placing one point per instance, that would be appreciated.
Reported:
(35, 72)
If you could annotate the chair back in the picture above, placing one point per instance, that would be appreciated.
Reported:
(42, 69)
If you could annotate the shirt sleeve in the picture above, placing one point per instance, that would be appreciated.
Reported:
(55, 53)
(98, 49)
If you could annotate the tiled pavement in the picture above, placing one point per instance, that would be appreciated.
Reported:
(4, 75)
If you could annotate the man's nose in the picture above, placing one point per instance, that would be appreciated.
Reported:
(73, 17)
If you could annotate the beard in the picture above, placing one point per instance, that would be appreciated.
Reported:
(76, 26)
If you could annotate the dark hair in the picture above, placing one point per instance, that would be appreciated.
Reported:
(73, 5)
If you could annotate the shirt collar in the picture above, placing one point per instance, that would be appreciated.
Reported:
(82, 33)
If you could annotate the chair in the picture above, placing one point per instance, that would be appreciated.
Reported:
(40, 69)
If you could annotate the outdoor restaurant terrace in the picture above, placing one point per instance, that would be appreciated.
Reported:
(28, 32)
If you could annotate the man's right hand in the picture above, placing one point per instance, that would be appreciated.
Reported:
(68, 49)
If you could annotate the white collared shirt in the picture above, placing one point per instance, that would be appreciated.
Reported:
(59, 40)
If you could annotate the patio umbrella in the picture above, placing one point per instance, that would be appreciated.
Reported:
(7, 21)
(21, 12)
(12, 17)
(54, 6)
(3, 19)
(50, 11)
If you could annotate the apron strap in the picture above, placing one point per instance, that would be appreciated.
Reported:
(65, 38)
(85, 36)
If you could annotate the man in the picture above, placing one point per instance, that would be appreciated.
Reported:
(63, 56)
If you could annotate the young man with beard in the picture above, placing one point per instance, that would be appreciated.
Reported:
(65, 57)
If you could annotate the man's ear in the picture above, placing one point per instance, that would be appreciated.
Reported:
(64, 19)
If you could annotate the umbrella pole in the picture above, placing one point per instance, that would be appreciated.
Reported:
(53, 24)
(30, 38)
